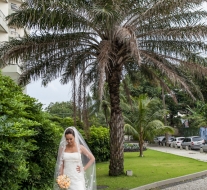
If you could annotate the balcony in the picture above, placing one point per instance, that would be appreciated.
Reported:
(3, 24)
(12, 71)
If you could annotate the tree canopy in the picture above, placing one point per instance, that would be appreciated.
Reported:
(61, 109)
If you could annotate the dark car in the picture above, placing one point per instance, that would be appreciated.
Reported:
(164, 142)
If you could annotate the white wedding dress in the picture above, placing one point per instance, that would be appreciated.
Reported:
(71, 161)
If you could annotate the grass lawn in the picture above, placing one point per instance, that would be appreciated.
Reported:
(154, 166)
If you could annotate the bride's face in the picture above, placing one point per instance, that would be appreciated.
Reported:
(70, 139)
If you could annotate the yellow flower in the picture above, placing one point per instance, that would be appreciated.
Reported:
(63, 181)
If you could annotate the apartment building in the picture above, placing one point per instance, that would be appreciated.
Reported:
(6, 33)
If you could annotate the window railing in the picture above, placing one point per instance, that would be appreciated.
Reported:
(2, 15)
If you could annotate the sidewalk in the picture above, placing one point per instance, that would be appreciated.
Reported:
(195, 154)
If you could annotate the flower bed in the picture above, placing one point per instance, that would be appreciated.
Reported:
(132, 147)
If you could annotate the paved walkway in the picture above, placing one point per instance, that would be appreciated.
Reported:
(196, 184)
(196, 181)
(195, 154)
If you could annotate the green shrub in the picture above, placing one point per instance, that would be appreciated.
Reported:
(98, 143)
(28, 140)
(42, 161)
(15, 148)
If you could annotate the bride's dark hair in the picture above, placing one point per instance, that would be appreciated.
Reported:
(70, 131)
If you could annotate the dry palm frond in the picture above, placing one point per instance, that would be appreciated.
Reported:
(193, 67)
(171, 75)
(127, 35)
(104, 59)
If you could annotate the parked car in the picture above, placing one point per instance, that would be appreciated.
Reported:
(192, 142)
(164, 142)
(158, 140)
(177, 141)
(204, 147)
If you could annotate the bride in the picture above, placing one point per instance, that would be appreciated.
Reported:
(76, 161)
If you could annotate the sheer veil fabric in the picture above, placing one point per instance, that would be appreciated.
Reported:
(89, 174)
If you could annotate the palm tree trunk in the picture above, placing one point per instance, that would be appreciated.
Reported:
(74, 98)
(141, 144)
(116, 166)
(80, 99)
(165, 119)
(106, 118)
(164, 105)
(85, 108)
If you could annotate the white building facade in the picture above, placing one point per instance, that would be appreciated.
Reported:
(6, 33)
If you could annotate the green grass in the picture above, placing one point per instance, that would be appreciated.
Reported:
(154, 166)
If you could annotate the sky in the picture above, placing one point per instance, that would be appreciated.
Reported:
(54, 92)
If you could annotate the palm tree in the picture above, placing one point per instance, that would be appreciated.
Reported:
(147, 120)
(197, 115)
(105, 39)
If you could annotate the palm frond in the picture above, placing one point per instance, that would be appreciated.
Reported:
(128, 129)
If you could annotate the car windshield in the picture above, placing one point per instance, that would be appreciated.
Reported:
(197, 139)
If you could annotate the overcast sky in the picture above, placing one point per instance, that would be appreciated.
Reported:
(54, 92)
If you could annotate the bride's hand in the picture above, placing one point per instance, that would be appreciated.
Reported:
(78, 168)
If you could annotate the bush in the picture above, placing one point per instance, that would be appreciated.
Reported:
(42, 161)
(98, 143)
(28, 140)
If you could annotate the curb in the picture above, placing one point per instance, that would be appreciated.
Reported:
(170, 181)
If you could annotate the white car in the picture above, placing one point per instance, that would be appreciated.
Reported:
(159, 139)
(193, 142)
(177, 141)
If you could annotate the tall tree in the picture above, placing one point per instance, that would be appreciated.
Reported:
(110, 37)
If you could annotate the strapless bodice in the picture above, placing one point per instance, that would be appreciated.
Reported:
(71, 161)
(74, 156)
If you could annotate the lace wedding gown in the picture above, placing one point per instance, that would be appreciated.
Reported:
(71, 161)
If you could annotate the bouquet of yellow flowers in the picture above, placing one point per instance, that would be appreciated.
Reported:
(63, 181)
